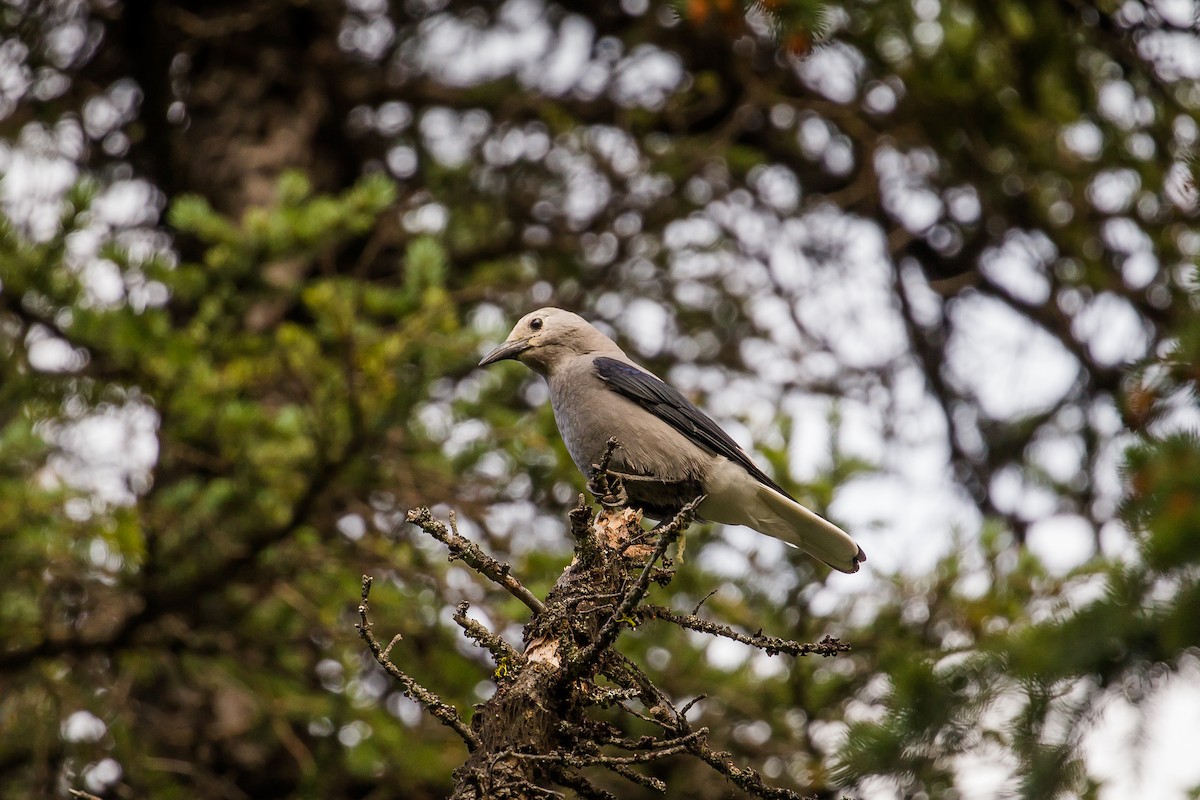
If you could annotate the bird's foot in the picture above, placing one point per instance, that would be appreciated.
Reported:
(606, 485)
(608, 489)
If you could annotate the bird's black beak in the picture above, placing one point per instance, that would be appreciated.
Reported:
(506, 350)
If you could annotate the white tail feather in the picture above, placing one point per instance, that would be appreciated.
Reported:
(736, 498)
(791, 522)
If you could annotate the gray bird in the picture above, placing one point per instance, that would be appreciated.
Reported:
(670, 452)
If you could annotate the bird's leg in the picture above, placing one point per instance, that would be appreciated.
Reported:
(606, 485)
(597, 483)
(609, 489)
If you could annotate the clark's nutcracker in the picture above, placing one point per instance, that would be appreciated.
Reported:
(670, 452)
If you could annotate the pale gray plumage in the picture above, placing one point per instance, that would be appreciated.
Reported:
(670, 452)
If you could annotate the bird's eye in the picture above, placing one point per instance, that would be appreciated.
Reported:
(535, 324)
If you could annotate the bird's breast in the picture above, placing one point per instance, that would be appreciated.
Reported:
(588, 413)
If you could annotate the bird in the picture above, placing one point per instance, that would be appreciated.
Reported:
(668, 451)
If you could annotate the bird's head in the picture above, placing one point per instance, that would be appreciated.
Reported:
(544, 338)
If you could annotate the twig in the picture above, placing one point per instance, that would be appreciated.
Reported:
(607, 487)
(501, 650)
(654, 743)
(646, 717)
(688, 705)
(704, 600)
(680, 745)
(649, 781)
(443, 711)
(538, 790)
(605, 698)
(771, 645)
(620, 670)
(82, 795)
(580, 784)
(744, 778)
(470, 553)
(611, 629)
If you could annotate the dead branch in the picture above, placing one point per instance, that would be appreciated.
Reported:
(623, 614)
(442, 711)
(537, 732)
(501, 651)
(771, 645)
(462, 548)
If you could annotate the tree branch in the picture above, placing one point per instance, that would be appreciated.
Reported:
(771, 645)
(680, 745)
(470, 553)
(501, 650)
(744, 778)
(623, 614)
(443, 711)
(535, 732)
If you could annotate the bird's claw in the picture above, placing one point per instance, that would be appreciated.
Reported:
(608, 489)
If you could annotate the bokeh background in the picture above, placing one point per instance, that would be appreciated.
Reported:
(932, 261)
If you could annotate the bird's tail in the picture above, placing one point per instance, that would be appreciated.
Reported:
(791, 522)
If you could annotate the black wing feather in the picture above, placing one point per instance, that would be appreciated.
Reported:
(671, 407)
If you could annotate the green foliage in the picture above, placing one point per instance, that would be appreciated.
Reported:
(267, 435)
(1051, 673)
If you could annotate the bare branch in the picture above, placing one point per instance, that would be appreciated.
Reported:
(443, 711)
(655, 743)
(704, 600)
(535, 733)
(501, 650)
(688, 706)
(623, 672)
(470, 553)
(744, 778)
(623, 614)
(580, 784)
(649, 781)
(680, 745)
(771, 645)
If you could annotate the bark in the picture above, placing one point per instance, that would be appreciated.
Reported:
(541, 729)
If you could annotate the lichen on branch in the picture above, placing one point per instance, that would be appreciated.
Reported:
(541, 728)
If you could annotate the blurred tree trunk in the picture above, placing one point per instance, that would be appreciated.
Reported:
(235, 94)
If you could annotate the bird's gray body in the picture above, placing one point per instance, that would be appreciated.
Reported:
(669, 452)
(649, 447)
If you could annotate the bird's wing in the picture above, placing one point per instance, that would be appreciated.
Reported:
(673, 408)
